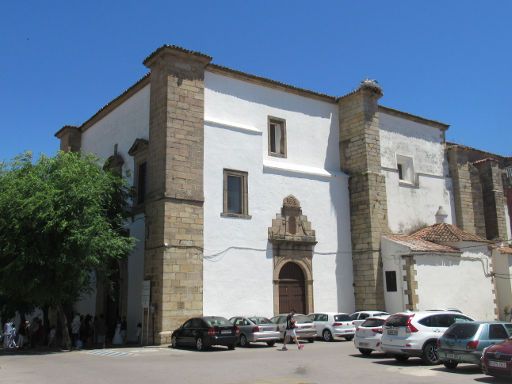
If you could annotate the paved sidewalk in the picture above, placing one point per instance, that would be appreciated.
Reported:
(320, 362)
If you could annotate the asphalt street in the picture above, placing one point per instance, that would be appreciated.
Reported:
(320, 362)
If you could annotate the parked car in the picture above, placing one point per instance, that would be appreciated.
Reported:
(204, 332)
(360, 316)
(305, 328)
(497, 359)
(415, 334)
(332, 325)
(368, 335)
(255, 329)
(464, 342)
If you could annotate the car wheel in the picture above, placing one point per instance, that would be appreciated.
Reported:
(174, 342)
(349, 338)
(199, 344)
(271, 343)
(365, 352)
(450, 364)
(401, 358)
(243, 341)
(430, 355)
(231, 347)
(327, 335)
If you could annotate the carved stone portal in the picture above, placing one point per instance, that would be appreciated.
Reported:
(292, 241)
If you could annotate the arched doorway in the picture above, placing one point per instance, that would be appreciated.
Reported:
(292, 289)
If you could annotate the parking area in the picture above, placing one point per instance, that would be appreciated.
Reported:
(320, 362)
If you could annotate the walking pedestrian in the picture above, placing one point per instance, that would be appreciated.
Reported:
(290, 331)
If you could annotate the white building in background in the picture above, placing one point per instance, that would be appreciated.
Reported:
(256, 197)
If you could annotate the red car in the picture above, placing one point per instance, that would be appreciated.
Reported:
(497, 359)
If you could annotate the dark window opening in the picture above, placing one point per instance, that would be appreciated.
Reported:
(234, 194)
(400, 172)
(141, 183)
(391, 281)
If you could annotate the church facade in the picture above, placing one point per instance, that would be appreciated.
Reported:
(256, 197)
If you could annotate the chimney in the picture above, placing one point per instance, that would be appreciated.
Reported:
(441, 215)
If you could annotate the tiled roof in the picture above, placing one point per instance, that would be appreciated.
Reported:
(446, 233)
(505, 250)
(419, 245)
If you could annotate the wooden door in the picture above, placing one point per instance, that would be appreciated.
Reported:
(292, 290)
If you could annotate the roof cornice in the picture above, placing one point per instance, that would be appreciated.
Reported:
(415, 118)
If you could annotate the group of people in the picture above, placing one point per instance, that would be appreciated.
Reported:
(29, 334)
(88, 331)
(84, 331)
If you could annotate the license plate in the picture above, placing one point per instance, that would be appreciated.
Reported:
(450, 356)
(226, 332)
(363, 344)
(497, 364)
(392, 332)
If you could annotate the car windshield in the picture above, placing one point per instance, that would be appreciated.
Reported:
(343, 317)
(397, 321)
(217, 321)
(302, 319)
(508, 327)
(462, 331)
(260, 320)
(372, 323)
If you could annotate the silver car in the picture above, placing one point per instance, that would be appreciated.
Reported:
(255, 329)
(305, 329)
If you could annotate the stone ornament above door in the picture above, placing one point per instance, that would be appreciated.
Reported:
(291, 225)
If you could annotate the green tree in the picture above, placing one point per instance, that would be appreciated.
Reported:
(60, 219)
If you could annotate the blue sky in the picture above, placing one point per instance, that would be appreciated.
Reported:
(446, 60)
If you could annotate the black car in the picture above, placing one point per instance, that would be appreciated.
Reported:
(203, 332)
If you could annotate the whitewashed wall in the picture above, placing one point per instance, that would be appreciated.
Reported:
(502, 266)
(392, 261)
(239, 280)
(122, 126)
(135, 278)
(446, 281)
(410, 206)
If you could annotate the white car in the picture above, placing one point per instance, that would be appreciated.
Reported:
(360, 316)
(415, 333)
(368, 335)
(333, 325)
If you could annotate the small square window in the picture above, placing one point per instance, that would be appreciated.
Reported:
(404, 165)
(235, 194)
(276, 137)
(391, 281)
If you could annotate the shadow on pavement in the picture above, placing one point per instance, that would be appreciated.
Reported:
(493, 380)
(208, 350)
(372, 356)
(37, 351)
(461, 370)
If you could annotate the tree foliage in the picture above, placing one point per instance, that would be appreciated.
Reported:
(60, 219)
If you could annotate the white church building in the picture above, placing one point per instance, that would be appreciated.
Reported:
(256, 197)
